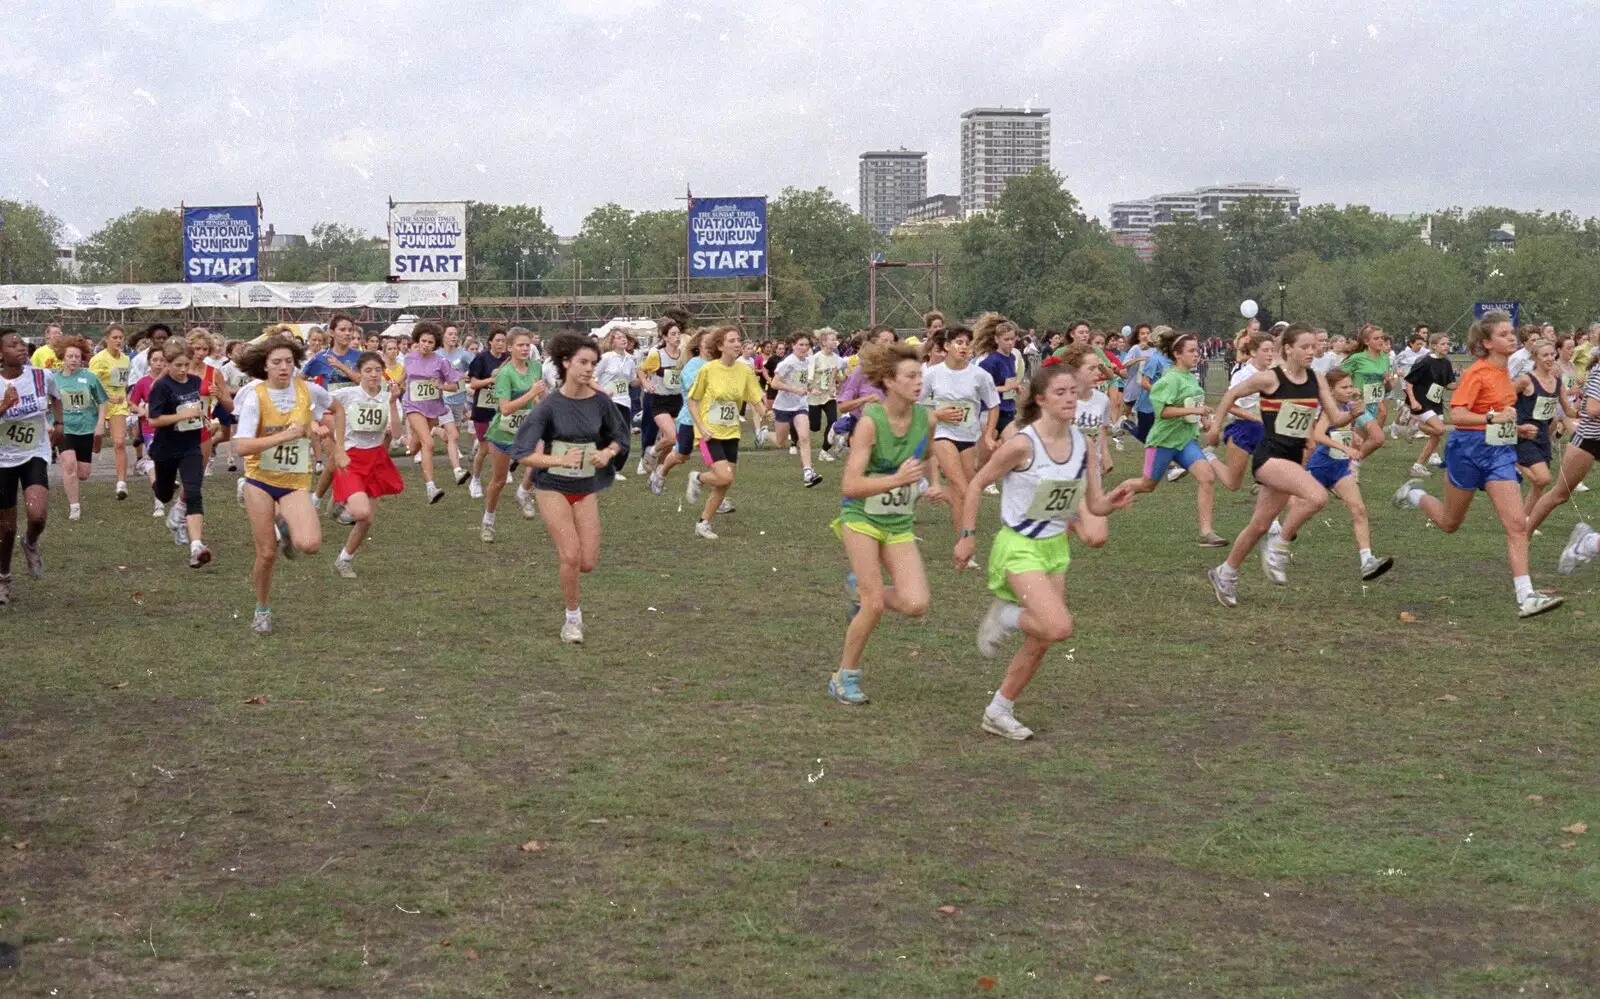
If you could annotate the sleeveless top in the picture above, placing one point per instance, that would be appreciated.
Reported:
(1541, 407)
(893, 511)
(1287, 414)
(286, 465)
(668, 380)
(1037, 501)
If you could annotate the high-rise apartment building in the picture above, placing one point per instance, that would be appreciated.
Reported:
(891, 182)
(1205, 203)
(996, 145)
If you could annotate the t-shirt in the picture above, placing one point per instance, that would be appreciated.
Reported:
(1519, 363)
(770, 366)
(796, 371)
(826, 372)
(613, 373)
(81, 396)
(24, 430)
(1133, 363)
(1407, 358)
(175, 440)
(560, 422)
(857, 386)
(1484, 387)
(138, 395)
(1588, 426)
(1002, 368)
(719, 389)
(484, 366)
(45, 357)
(1176, 388)
(1245, 372)
(248, 405)
(511, 384)
(461, 361)
(1156, 364)
(1430, 379)
(113, 374)
(1091, 412)
(1326, 363)
(1368, 373)
(1581, 356)
(366, 417)
(691, 372)
(970, 388)
(321, 370)
(422, 395)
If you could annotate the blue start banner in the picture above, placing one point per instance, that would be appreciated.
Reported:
(727, 237)
(1514, 309)
(220, 244)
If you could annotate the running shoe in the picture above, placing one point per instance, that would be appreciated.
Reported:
(345, 518)
(1116, 442)
(74, 512)
(30, 551)
(1572, 556)
(199, 557)
(345, 567)
(160, 509)
(475, 488)
(1211, 539)
(572, 632)
(703, 528)
(638, 469)
(840, 444)
(316, 502)
(726, 506)
(1274, 559)
(261, 624)
(793, 449)
(207, 473)
(811, 478)
(486, 533)
(825, 455)
(1437, 461)
(416, 459)
(1004, 724)
(1581, 487)
(180, 533)
(525, 500)
(1537, 604)
(992, 630)
(122, 490)
(972, 563)
(991, 490)
(844, 686)
(462, 475)
(233, 464)
(1176, 472)
(5, 589)
(1372, 567)
(285, 546)
(648, 463)
(658, 485)
(852, 596)
(691, 489)
(435, 494)
(1420, 471)
(1227, 589)
(1402, 496)
(618, 476)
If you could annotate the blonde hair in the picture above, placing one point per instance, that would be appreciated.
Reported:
(879, 361)
(986, 332)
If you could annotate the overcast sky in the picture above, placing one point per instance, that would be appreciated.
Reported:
(329, 108)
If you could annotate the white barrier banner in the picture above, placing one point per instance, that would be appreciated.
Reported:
(246, 295)
(428, 241)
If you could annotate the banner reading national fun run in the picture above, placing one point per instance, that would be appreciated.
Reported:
(244, 295)
(221, 244)
(727, 237)
(428, 241)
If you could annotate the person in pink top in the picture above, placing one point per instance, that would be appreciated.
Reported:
(428, 377)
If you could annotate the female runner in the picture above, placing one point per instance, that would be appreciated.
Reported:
(696, 348)
(615, 374)
(428, 377)
(518, 385)
(1541, 396)
(363, 471)
(83, 408)
(1178, 405)
(1093, 412)
(570, 441)
(1246, 428)
(1330, 466)
(713, 403)
(177, 413)
(112, 367)
(480, 380)
(791, 408)
(1370, 369)
(1426, 386)
(959, 391)
(28, 398)
(662, 370)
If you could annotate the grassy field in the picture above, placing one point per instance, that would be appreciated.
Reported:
(1305, 796)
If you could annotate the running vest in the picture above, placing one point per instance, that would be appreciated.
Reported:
(670, 372)
(1287, 414)
(1540, 407)
(1037, 501)
(893, 511)
(286, 465)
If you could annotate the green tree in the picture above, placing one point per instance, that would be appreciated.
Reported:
(1257, 232)
(1416, 284)
(507, 241)
(1185, 281)
(335, 252)
(28, 240)
(828, 244)
(1555, 281)
(1334, 233)
(141, 246)
(1089, 286)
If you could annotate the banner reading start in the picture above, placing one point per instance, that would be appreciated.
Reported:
(727, 237)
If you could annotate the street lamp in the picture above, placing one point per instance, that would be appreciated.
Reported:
(1283, 292)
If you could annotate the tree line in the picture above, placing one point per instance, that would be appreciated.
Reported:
(1037, 258)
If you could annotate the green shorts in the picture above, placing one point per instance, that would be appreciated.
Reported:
(1014, 553)
(873, 531)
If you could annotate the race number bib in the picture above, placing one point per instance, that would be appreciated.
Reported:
(75, 400)
(1344, 437)
(485, 398)
(1294, 420)
(672, 379)
(896, 502)
(1194, 402)
(19, 434)
(1089, 428)
(618, 386)
(369, 417)
(119, 376)
(194, 422)
(1055, 499)
(1372, 392)
(1500, 434)
(1435, 393)
(969, 409)
(289, 458)
(510, 424)
(585, 469)
(422, 390)
(1009, 395)
(721, 413)
(1545, 408)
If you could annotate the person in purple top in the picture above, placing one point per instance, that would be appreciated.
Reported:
(429, 377)
(857, 391)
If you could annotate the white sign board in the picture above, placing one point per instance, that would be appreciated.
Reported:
(428, 241)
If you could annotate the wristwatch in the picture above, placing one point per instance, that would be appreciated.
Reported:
(967, 534)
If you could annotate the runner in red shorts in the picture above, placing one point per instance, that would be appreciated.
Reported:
(364, 472)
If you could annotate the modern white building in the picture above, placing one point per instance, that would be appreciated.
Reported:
(996, 145)
(891, 182)
(1205, 204)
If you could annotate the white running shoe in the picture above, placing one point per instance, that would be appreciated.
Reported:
(416, 459)
(316, 502)
(1572, 556)
(639, 468)
(1436, 460)
(972, 563)
(618, 476)
(1372, 567)
(177, 524)
(161, 508)
(475, 487)
(658, 485)
(991, 490)
(826, 456)
(1274, 559)
(1226, 589)
(1581, 487)
(1402, 496)
(1537, 604)
(991, 630)
(74, 512)
(462, 475)
(703, 529)
(345, 567)
(1420, 471)
(345, 518)
(435, 494)
(793, 449)
(1176, 472)
(572, 632)
(811, 478)
(691, 489)
(30, 551)
(122, 490)
(726, 507)
(262, 623)
(486, 533)
(1005, 725)
(525, 500)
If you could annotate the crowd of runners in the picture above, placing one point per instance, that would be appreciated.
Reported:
(947, 415)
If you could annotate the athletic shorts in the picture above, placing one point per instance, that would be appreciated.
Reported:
(81, 445)
(371, 471)
(1004, 420)
(461, 411)
(480, 428)
(1014, 553)
(1372, 410)
(1534, 452)
(1158, 459)
(1327, 469)
(276, 492)
(723, 450)
(1589, 447)
(958, 445)
(873, 531)
(1432, 414)
(1472, 464)
(20, 478)
(504, 449)
(1244, 434)
(223, 415)
(665, 405)
(790, 415)
(116, 409)
(685, 441)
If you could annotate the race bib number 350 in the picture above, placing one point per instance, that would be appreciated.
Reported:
(897, 501)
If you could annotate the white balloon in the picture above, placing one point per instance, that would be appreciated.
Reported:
(1248, 308)
(1127, 331)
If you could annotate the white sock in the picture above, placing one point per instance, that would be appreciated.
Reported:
(1011, 616)
(1002, 703)
(522, 494)
(345, 556)
(488, 518)
(1366, 553)
(575, 616)
(1590, 545)
(1414, 497)
(808, 470)
(195, 546)
(1227, 571)
(73, 506)
(1524, 585)
(316, 502)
